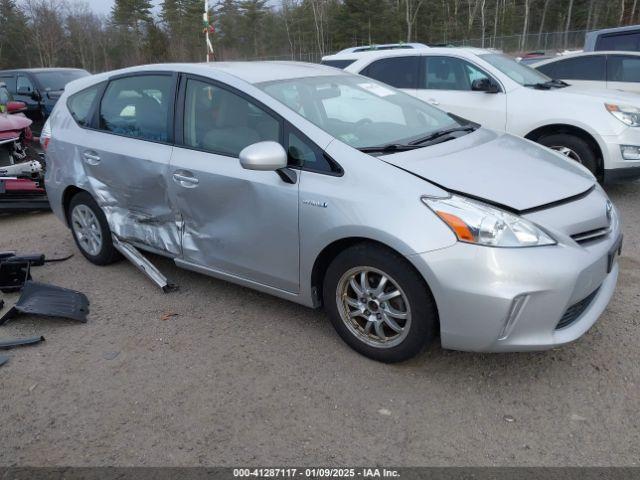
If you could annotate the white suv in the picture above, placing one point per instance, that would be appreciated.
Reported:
(597, 128)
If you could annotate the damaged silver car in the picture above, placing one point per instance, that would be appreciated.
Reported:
(327, 188)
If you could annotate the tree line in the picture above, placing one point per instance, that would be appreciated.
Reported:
(52, 33)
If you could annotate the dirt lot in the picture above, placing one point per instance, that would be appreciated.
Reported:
(241, 378)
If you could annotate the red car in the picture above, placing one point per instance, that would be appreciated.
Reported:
(21, 174)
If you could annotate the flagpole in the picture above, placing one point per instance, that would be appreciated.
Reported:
(206, 23)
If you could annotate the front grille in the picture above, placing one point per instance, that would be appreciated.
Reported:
(575, 310)
(591, 235)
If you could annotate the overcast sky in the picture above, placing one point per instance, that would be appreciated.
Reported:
(104, 6)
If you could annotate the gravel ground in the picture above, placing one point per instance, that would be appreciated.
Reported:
(241, 378)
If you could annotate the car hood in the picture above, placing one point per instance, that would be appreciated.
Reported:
(499, 168)
(600, 94)
(15, 122)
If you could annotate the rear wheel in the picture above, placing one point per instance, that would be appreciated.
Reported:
(90, 230)
(572, 147)
(379, 304)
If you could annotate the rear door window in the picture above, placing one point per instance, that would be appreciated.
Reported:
(399, 72)
(623, 68)
(580, 68)
(138, 106)
(629, 42)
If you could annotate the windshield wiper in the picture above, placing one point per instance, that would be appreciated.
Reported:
(443, 133)
(391, 147)
(548, 85)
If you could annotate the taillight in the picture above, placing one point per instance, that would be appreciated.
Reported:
(45, 134)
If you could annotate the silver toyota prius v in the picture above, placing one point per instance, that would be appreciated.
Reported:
(331, 189)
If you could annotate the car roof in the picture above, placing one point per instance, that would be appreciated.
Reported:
(374, 55)
(250, 72)
(382, 46)
(597, 53)
(41, 70)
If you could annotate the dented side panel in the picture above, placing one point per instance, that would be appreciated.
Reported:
(130, 184)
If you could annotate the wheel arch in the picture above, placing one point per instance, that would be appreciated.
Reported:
(565, 128)
(69, 192)
(331, 251)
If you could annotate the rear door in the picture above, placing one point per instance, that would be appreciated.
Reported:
(446, 83)
(623, 72)
(399, 72)
(237, 222)
(126, 158)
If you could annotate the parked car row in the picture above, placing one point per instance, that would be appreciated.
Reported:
(337, 190)
(595, 128)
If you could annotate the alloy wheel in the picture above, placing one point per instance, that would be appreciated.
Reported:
(87, 229)
(373, 307)
(567, 152)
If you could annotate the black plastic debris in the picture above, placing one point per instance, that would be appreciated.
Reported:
(50, 301)
(15, 269)
(19, 342)
(3, 359)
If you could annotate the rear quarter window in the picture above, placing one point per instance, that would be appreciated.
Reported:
(79, 104)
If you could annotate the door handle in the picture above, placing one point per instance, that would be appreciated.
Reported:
(187, 181)
(91, 157)
(433, 102)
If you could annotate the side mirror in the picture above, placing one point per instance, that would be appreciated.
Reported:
(485, 85)
(264, 156)
(14, 107)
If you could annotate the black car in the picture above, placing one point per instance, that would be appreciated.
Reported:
(39, 88)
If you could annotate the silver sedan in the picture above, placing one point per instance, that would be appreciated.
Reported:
(331, 189)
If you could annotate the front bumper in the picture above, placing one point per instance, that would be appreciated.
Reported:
(475, 288)
(616, 168)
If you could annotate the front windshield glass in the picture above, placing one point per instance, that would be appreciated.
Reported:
(56, 80)
(359, 111)
(517, 72)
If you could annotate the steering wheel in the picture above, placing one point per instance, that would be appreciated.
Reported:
(363, 121)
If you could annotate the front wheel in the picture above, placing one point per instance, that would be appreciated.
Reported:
(572, 147)
(379, 304)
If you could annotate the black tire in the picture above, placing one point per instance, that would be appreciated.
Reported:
(424, 315)
(107, 254)
(581, 147)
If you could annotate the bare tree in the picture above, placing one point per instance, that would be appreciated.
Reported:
(568, 24)
(525, 25)
(411, 14)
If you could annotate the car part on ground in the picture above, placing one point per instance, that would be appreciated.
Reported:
(132, 254)
(50, 301)
(3, 359)
(15, 270)
(20, 342)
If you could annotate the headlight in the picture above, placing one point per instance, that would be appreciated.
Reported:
(625, 113)
(482, 224)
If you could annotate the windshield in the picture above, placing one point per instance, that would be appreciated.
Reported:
(56, 80)
(515, 71)
(359, 111)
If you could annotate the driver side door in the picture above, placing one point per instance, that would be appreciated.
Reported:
(235, 222)
(446, 83)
